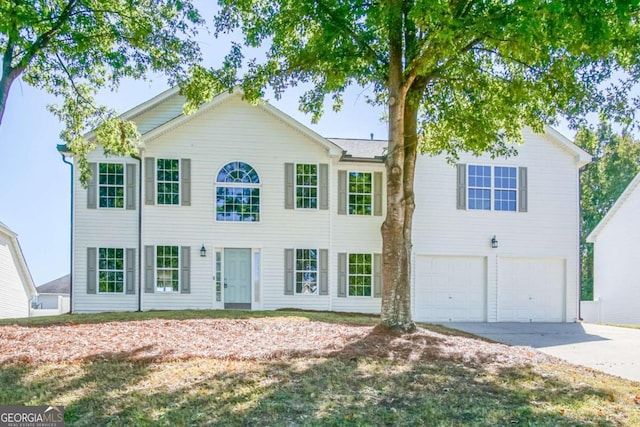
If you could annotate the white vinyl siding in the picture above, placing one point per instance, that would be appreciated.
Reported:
(549, 229)
(277, 228)
(617, 264)
(234, 131)
(15, 301)
(89, 227)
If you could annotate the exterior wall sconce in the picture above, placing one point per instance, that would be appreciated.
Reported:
(203, 251)
(494, 242)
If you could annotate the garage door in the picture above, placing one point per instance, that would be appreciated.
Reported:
(531, 290)
(450, 289)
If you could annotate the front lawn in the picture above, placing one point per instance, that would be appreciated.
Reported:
(292, 368)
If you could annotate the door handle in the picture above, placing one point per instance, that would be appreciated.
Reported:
(225, 283)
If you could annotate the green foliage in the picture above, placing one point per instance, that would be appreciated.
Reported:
(480, 70)
(603, 181)
(74, 48)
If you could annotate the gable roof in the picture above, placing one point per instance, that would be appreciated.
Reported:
(581, 156)
(633, 185)
(27, 280)
(265, 106)
(349, 149)
(61, 285)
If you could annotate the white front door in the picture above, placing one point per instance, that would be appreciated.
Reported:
(237, 278)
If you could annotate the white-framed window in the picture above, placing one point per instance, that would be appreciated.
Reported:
(111, 185)
(168, 181)
(110, 270)
(360, 275)
(306, 271)
(167, 268)
(306, 186)
(238, 193)
(360, 194)
(505, 188)
(492, 188)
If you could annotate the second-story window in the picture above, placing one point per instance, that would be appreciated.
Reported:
(238, 193)
(360, 193)
(111, 185)
(492, 188)
(168, 181)
(306, 186)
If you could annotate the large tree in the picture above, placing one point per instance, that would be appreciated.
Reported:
(617, 161)
(73, 48)
(456, 75)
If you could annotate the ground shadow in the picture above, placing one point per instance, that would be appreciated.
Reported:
(382, 379)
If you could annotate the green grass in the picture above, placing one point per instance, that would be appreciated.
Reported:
(307, 391)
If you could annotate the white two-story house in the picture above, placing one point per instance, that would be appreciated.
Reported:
(240, 206)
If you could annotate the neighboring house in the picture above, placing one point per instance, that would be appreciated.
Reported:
(16, 285)
(240, 206)
(54, 295)
(616, 269)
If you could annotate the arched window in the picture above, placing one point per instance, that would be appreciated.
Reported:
(237, 193)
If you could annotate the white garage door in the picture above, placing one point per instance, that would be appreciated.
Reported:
(531, 290)
(450, 289)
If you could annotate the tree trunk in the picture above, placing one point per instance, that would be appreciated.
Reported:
(9, 74)
(5, 86)
(396, 298)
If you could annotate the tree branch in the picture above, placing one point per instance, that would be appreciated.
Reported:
(345, 27)
(45, 38)
(77, 91)
(413, 69)
(510, 58)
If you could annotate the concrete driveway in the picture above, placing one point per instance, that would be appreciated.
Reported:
(606, 348)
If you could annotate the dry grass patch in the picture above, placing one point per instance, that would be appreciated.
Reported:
(291, 370)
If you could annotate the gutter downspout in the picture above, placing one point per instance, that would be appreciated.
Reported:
(580, 171)
(139, 231)
(64, 160)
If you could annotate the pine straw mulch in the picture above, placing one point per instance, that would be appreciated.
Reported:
(272, 338)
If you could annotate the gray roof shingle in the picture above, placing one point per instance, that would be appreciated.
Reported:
(362, 148)
(61, 285)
